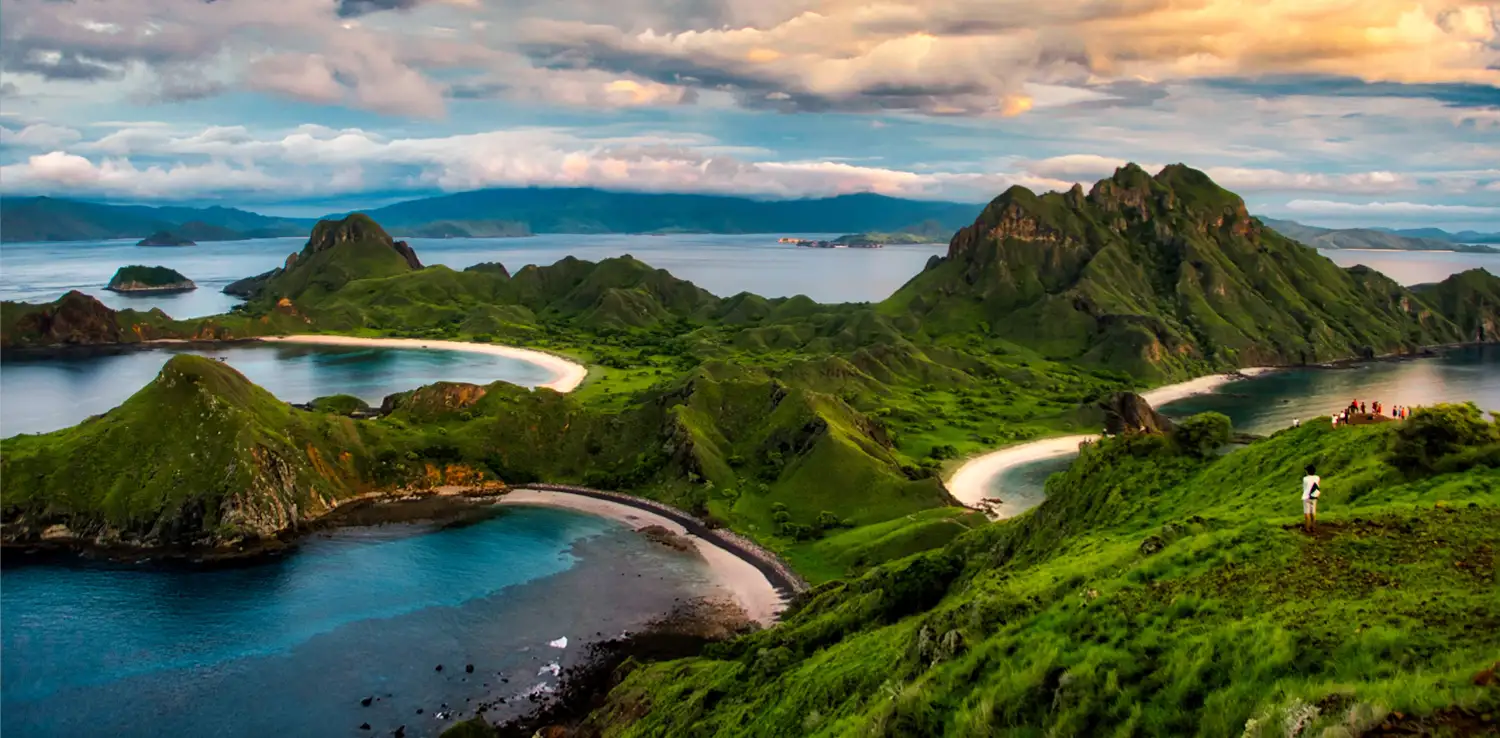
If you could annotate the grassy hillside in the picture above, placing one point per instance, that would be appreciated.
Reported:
(1159, 276)
(1471, 299)
(1155, 592)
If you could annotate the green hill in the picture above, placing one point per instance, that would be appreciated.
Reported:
(1154, 592)
(338, 252)
(1160, 276)
(1470, 299)
(199, 456)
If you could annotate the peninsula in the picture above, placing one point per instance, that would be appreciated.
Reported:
(149, 280)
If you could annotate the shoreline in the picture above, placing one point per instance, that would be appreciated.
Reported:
(750, 588)
(969, 483)
(569, 374)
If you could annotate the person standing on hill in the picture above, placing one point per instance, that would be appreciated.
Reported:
(1310, 493)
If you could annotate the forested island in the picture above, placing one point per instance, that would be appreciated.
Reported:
(1161, 588)
(137, 279)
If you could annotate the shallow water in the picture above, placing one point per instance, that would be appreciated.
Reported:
(44, 394)
(1269, 402)
(721, 264)
(289, 647)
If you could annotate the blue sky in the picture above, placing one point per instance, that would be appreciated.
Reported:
(1332, 112)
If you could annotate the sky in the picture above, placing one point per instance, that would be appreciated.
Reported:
(1329, 112)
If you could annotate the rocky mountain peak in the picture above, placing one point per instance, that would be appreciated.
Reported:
(356, 228)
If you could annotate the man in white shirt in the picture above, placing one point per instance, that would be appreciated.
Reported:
(1310, 492)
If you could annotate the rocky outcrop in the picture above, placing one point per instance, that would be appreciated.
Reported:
(74, 319)
(1128, 412)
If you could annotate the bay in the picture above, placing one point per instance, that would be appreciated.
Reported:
(289, 647)
(47, 393)
(1270, 402)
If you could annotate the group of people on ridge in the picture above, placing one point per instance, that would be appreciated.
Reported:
(1399, 412)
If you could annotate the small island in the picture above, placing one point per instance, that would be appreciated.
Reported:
(165, 238)
(149, 280)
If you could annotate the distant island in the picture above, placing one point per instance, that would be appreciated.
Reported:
(1432, 239)
(928, 231)
(165, 238)
(838, 243)
(149, 280)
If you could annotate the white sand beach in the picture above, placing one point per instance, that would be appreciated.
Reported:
(970, 483)
(569, 374)
(734, 575)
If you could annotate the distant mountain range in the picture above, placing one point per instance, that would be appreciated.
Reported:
(1438, 234)
(1418, 239)
(59, 219)
(587, 210)
(504, 212)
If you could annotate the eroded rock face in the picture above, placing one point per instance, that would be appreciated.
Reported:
(1128, 412)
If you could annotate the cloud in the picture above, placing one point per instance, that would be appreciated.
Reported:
(1002, 58)
(1399, 209)
(60, 171)
(319, 160)
(973, 57)
(39, 136)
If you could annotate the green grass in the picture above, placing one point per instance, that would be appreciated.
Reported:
(1060, 623)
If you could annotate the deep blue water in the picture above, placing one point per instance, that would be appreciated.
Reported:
(721, 264)
(1267, 403)
(290, 647)
(50, 393)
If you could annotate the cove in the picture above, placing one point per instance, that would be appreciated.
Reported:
(291, 645)
(1269, 402)
(42, 394)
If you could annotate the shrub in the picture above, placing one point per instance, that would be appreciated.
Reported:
(1202, 434)
(1437, 438)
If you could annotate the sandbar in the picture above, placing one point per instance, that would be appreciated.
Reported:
(970, 483)
(568, 374)
(737, 577)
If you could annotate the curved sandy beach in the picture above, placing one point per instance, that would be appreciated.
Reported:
(746, 584)
(970, 482)
(569, 374)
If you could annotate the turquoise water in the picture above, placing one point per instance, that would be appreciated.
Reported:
(721, 264)
(289, 647)
(1267, 403)
(44, 394)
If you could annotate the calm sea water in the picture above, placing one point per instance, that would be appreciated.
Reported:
(1415, 267)
(290, 647)
(46, 394)
(1269, 402)
(723, 265)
